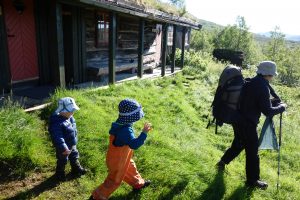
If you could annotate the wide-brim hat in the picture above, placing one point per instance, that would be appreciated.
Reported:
(267, 68)
(66, 104)
(130, 111)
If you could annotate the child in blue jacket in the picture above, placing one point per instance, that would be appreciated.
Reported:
(62, 128)
(122, 142)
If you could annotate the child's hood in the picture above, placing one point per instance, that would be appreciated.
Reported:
(117, 127)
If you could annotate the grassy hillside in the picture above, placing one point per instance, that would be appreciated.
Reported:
(179, 155)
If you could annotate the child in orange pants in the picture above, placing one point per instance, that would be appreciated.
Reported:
(122, 141)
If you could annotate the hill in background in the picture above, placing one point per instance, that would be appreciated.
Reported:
(261, 38)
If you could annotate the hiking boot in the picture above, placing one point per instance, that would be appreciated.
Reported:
(257, 184)
(146, 184)
(60, 172)
(221, 165)
(60, 176)
(77, 169)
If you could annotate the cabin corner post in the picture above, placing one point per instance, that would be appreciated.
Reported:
(5, 82)
(182, 47)
(60, 45)
(112, 48)
(173, 57)
(141, 47)
(164, 49)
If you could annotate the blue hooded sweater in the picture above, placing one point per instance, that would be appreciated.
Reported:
(63, 132)
(124, 135)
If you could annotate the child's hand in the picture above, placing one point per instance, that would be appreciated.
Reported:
(66, 152)
(147, 127)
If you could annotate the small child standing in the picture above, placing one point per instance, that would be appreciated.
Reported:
(122, 141)
(62, 128)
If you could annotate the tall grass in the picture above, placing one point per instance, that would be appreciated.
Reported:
(180, 153)
(23, 142)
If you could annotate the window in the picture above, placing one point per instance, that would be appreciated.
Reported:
(102, 29)
(170, 35)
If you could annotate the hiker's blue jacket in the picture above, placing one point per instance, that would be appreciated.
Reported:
(255, 99)
(124, 135)
(63, 132)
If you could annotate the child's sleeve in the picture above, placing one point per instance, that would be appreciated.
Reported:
(132, 141)
(56, 133)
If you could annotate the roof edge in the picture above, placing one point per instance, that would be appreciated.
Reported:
(149, 13)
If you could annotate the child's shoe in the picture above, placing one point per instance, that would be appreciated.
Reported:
(146, 184)
(77, 169)
(60, 176)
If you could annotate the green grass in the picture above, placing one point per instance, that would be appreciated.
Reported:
(179, 154)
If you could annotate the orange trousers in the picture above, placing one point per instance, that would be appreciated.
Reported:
(121, 167)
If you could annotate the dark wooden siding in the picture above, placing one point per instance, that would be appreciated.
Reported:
(42, 26)
(4, 65)
(127, 44)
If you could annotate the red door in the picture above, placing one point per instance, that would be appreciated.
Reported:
(20, 28)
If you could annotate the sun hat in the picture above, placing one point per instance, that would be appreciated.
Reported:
(129, 111)
(66, 104)
(267, 68)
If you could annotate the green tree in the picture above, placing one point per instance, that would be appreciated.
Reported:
(276, 47)
(178, 3)
(286, 58)
(238, 38)
(203, 40)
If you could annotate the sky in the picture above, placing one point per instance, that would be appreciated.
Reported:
(260, 15)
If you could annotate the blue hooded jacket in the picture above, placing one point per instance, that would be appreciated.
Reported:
(63, 132)
(124, 135)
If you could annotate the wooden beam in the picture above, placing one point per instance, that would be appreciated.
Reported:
(173, 48)
(60, 45)
(182, 47)
(41, 11)
(141, 47)
(164, 49)
(4, 62)
(112, 48)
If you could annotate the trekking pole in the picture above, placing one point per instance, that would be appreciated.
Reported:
(280, 132)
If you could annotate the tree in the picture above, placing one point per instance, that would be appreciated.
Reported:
(178, 3)
(238, 38)
(276, 48)
(286, 58)
(203, 40)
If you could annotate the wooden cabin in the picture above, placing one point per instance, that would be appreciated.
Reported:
(67, 42)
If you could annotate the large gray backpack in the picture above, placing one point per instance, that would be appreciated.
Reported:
(225, 105)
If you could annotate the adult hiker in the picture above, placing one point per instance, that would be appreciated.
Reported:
(122, 141)
(254, 100)
(63, 131)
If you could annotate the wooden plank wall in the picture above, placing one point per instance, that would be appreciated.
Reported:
(126, 48)
(4, 65)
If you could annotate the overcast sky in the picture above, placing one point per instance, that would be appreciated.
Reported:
(261, 15)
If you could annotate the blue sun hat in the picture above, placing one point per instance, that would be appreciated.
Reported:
(66, 104)
(129, 111)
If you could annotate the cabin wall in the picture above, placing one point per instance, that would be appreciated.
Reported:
(97, 23)
(4, 64)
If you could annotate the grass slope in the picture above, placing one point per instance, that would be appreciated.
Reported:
(180, 153)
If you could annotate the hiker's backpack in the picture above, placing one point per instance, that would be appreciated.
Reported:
(226, 101)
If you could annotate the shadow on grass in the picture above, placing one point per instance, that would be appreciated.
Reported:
(216, 189)
(44, 186)
(129, 196)
(14, 168)
(48, 184)
(242, 193)
(174, 191)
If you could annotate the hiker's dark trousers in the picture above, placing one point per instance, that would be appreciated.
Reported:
(245, 137)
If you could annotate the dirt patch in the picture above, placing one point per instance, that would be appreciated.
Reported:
(12, 188)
